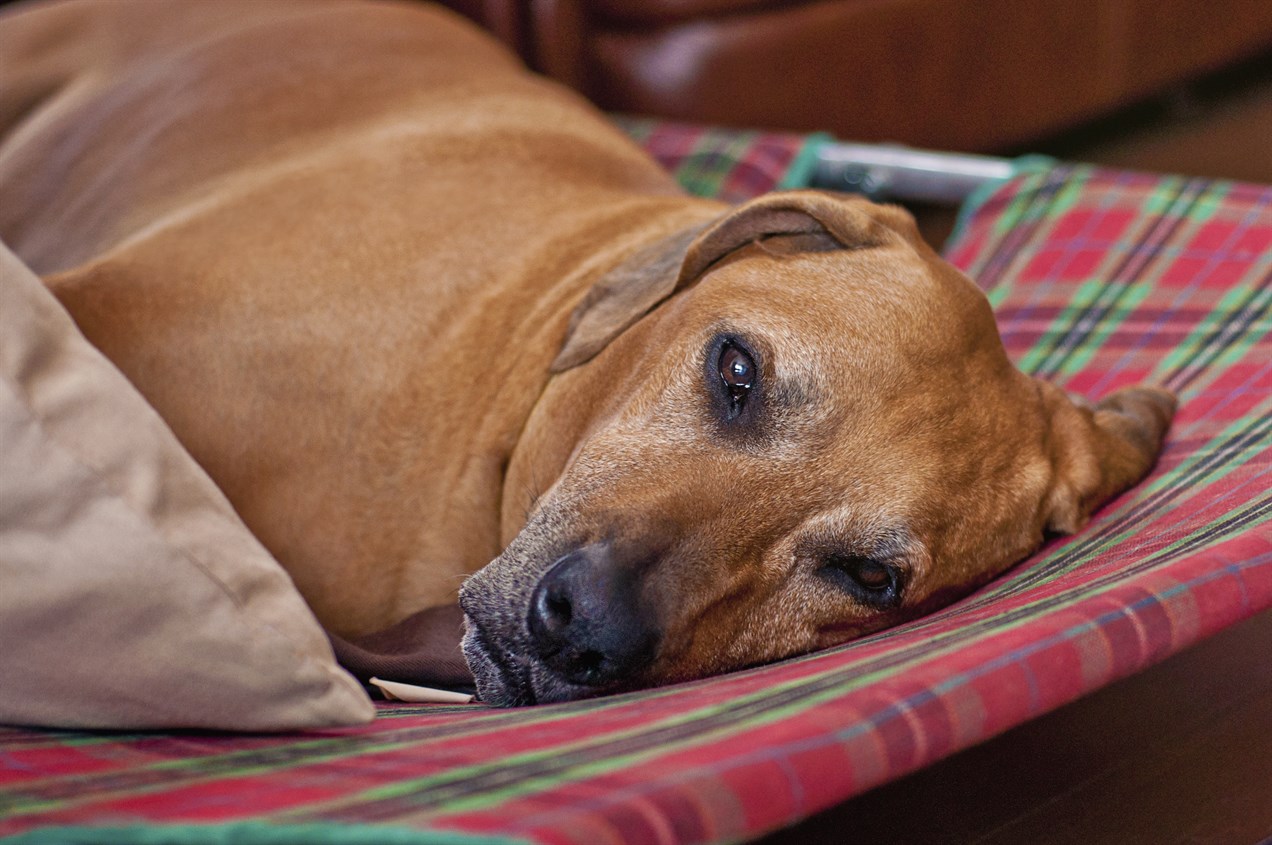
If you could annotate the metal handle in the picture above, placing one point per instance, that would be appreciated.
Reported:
(890, 172)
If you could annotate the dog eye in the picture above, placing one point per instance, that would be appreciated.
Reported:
(737, 372)
(869, 580)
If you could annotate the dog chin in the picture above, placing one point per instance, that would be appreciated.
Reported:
(504, 681)
(499, 683)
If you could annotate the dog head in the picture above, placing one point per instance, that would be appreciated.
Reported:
(818, 435)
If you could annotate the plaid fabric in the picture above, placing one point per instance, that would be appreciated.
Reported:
(1101, 279)
(726, 164)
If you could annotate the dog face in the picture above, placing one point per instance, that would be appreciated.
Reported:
(818, 435)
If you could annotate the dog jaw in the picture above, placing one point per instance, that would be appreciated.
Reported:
(503, 681)
(497, 646)
(495, 600)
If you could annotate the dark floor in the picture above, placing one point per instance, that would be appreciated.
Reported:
(1180, 753)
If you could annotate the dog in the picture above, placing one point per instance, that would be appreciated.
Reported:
(440, 331)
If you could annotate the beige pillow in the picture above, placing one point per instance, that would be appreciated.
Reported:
(131, 595)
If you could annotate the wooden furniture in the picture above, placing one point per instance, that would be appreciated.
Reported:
(971, 75)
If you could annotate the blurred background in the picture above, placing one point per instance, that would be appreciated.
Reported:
(1181, 86)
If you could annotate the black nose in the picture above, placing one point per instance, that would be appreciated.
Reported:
(586, 619)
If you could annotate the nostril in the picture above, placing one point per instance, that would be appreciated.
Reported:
(587, 665)
(551, 612)
(560, 610)
(557, 610)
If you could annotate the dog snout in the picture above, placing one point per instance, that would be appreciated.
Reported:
(586, 621)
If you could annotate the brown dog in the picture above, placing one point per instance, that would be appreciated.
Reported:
(423, 315)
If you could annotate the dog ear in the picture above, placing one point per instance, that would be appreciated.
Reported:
(783, 223)
(1099, 451)
(792, 222)
(623, 295)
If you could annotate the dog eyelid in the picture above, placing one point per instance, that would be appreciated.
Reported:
(872, 565)
(871, 581)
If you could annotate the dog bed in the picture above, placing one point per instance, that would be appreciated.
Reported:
(1099, 278)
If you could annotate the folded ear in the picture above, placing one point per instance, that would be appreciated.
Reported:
(1101, 450)
(788, 222)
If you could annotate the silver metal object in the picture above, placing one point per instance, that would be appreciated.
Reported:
(889, 172)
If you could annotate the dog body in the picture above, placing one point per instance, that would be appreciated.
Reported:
(420, 314)
(341, 281)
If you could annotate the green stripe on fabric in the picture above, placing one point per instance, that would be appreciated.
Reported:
(1210, 202)
(1022, 206)
(715, 153)
(160, 776)
(1027, 208)
(462, 789)
(1204, 348)
(1051, 349)
(997, 295)
(1127, 280)
(1244, 436)
(1071, 194)
(1067, 360)
(253, 833)
(1161, 199)
(1022, 167)
(799, 172)
(1042, 198)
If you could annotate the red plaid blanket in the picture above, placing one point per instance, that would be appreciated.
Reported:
(1099, 278)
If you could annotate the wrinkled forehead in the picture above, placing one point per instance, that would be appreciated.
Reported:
(851, 324)
(896, 393)
(889, 297)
